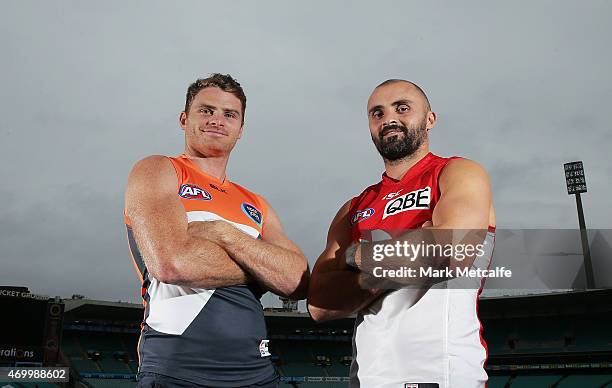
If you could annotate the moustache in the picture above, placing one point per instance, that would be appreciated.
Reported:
(393, 127)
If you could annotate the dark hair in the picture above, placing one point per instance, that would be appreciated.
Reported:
(418, 88)
(224, 82)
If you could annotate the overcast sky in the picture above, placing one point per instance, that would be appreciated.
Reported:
(88, 88)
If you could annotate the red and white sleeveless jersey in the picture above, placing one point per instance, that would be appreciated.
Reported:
(415, 337)
(393, 205)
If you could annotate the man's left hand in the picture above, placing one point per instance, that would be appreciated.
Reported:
(216, 231)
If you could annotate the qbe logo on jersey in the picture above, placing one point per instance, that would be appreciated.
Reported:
(189, 191)
(414, 200)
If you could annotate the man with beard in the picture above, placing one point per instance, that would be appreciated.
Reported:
(419, 338)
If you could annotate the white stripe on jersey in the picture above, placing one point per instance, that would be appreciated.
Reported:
(199, 215)
(173, 308)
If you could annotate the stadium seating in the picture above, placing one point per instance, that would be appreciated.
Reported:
(294, 350)
(496, 333)
(111, 365)
(71, 347)
(111, 383)
(592, 335)
(83, 365)
(335, 350)
(535, 381)
(498, 381)
(101, 342)
(579, 381)
(558, 381)
(337, 369)
(76, 349)
(299, 358)
(544, 335)
(547, 335)
(303, 369)
(523, 344)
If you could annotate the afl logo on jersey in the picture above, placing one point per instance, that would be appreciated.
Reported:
(361, 215)
(252, 212)
(189, 191)
(415, 200)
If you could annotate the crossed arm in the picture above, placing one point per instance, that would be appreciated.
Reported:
(209, 254)
(334, 292)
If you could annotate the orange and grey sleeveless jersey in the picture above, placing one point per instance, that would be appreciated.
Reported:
(417, 338)
(212, 337)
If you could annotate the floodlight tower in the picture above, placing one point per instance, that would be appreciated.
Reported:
(576, 184)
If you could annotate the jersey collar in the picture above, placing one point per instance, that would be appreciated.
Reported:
(193, 165)
(411, 173)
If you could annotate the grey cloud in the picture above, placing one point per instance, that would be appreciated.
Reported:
(89, 88)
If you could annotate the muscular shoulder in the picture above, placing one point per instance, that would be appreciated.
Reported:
(151, 164)
(463, 171)
(340, 223)
(150, 178)
(152, 169)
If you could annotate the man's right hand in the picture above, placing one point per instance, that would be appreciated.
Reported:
(334, 290)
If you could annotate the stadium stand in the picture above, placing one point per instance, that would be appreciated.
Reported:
(556, 340)
(498, 381)
(534, 341)
(535, 381)
(307, 354)
(579, 380)
(110, 383)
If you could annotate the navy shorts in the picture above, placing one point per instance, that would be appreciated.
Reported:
(154, 380)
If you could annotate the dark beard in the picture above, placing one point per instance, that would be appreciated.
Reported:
(397, 147)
